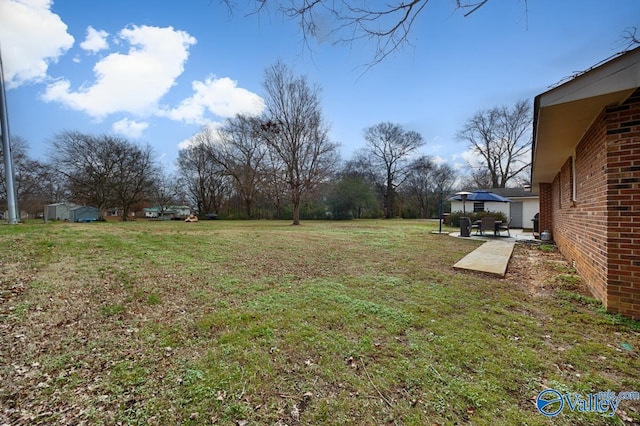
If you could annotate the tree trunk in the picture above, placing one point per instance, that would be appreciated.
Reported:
(247, 207)
(296, 200)
(296, 212)
(389, 204)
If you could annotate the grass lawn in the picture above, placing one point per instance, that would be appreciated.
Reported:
(260, 322)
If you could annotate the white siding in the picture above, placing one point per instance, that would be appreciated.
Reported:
(530, 207)
(456, 206)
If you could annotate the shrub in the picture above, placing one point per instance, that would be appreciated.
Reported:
(454, 217)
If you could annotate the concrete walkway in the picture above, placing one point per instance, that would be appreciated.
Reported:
(493, 256)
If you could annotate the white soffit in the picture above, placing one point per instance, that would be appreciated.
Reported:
(619, 74)
(566, 112)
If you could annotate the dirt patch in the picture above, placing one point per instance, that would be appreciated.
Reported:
(536, 267)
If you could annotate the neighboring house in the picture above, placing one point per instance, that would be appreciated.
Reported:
(71, 212)
(170, 212)
(152, 212)
(116, 212)
(181, 212)
(521, 209)
(586, 164)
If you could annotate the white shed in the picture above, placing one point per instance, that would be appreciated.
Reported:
(58, 211)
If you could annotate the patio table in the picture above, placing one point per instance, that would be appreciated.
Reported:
(496, 231)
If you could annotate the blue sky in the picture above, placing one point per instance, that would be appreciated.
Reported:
(155, 72)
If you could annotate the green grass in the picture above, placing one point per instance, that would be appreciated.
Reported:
(360, 322)
(547, 247)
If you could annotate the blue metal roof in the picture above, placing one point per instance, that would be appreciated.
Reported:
(481, 195)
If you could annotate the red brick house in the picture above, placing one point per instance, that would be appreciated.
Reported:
(586, 164)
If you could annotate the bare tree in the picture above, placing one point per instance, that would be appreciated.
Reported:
(202, 177)
(630, 38)
(243, 155)
(165, 191)
(419, 187)
(387, 24)
(501, 138)
(134, 175)
(425, 183)
(478, 178)
(294, 129)
(104, 171)
(30, 178)
(78, 158)
(389, 148)
(275, 183)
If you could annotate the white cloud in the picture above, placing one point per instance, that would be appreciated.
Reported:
(435, 147)
(218, 96)
(131, 82)
(187, 143)
(201, 136)
(130, 128)
(466, 160)
(95, 41)
(32, 37)
(459, 166)
(438, 160)
(472, 158)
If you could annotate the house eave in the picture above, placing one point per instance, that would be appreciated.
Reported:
(582, 99)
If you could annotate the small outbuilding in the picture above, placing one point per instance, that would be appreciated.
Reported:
(83, 214)
(71, 212)
(58, 211)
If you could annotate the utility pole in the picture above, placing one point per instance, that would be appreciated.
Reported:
(12, 199)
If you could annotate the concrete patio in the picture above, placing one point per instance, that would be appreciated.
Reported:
(493, 256)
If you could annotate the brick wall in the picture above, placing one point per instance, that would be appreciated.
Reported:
(623, 201)
(598, 230)
(546, 208)
(579, 226)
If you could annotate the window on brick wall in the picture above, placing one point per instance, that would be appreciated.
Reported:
(566, 193)
(560, 192)
(573, 178)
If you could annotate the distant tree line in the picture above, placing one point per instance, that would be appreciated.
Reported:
(233, 173)
(278, 165)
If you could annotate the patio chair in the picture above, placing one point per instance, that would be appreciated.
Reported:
(488, 224)
(476, 225)
(505, 227)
